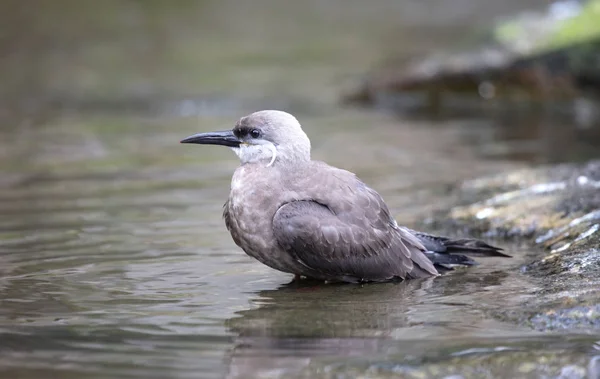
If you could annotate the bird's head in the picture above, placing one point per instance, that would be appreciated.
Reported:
(264, 136)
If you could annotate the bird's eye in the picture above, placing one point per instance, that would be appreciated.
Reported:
(255, 133)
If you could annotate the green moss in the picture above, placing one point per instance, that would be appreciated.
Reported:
(509, 31)
(551, 34)
(581, 28)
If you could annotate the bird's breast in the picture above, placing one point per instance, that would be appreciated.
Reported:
(252, 203)
(251, 210)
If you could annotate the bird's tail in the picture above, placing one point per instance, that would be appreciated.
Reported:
(446, 253)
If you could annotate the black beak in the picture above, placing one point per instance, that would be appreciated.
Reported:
(224, 138)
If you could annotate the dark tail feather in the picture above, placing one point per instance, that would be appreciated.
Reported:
(472, 247)
(446, 253)
(448, 261)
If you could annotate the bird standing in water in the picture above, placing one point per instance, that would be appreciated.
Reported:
(313, 220)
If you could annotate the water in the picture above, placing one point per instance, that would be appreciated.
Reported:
(114, 260)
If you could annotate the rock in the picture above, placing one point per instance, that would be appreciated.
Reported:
(534, 58)
(511, 364)
(553, 208)
(582, 317)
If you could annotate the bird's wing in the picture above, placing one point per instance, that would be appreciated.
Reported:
(361, 243)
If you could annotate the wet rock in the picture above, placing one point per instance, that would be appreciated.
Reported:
(555, 209)
(577, 317)
(534, 58)
(594, 367)
(512, 364)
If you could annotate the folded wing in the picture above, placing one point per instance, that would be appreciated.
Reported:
(351, 245)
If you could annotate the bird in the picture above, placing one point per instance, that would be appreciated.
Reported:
(315, 221)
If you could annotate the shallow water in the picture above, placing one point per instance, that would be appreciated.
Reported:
(114, 260)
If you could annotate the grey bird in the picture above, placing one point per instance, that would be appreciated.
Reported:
(307, 218)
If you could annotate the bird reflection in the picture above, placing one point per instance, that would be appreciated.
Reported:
(299, 322)
(328, 311)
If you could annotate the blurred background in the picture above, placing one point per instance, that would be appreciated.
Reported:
(114, 261)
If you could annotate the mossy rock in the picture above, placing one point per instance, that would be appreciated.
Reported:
(533, 58)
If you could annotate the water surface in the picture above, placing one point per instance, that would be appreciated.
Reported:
(114, 260)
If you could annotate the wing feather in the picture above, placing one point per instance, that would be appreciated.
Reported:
(349, 245)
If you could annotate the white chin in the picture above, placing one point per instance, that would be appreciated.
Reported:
(256, 153)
